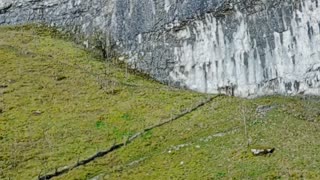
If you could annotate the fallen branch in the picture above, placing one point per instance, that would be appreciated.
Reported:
(99, 154)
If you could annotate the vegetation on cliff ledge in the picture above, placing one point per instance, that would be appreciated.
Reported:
(60, 104)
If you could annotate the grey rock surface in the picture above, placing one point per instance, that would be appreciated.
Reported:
(245, 48)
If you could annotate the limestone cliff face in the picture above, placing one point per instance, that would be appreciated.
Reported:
(240, 47)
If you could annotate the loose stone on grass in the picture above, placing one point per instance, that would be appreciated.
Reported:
(60, 78)
(37, 113)
(262, 151)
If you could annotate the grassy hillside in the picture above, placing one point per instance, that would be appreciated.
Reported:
(60, 104)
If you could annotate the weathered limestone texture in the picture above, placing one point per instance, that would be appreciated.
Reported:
(245, 48)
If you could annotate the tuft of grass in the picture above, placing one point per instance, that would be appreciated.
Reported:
(60, 103)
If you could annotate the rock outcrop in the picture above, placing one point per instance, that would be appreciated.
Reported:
(239, 47)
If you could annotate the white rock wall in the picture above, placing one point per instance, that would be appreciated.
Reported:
(214, 64)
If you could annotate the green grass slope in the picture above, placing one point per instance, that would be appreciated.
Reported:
(60, 104)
